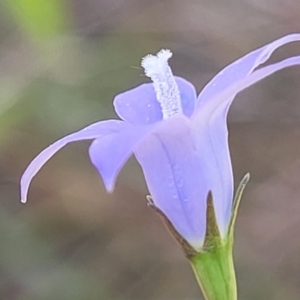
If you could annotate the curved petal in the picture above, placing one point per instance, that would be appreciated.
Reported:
(241, 68)
(139, 105)
(90, 132)
(176, 178)
(211, 113)
(225, 96)
(109, 153)
(211, 121)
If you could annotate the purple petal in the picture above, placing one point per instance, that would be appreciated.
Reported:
(139, 105)
(212, 139)
(241, 68)
(90, 132)
(211, 113)
(109, 153)
(188, 95)
(175, 177)
(224, 97)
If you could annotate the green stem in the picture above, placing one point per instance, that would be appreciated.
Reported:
(215, 273)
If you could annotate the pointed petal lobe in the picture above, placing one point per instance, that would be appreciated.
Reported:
(90, 132)
(211, 113)
(213, 136)
(251, 79)
(242, 67)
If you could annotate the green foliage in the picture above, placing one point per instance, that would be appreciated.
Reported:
(39, 18)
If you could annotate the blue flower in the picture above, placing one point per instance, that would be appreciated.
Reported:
(180, 140)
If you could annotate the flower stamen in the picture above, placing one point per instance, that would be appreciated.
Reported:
(167, 93)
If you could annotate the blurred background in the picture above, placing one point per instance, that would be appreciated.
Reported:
(61, 64)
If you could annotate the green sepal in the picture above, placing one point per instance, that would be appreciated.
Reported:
(236, 203)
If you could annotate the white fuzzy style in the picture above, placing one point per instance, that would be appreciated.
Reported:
(167, 93)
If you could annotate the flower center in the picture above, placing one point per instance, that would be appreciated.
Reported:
(167, 93)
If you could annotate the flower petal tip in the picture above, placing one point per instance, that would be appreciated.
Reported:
(109, 184)
(110, 189)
